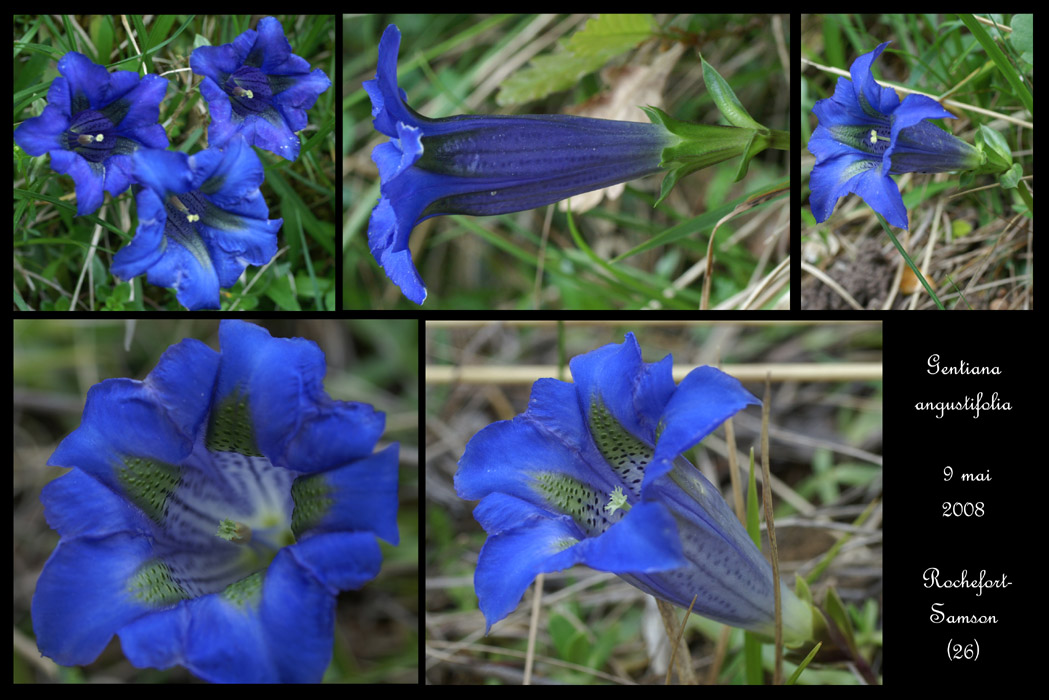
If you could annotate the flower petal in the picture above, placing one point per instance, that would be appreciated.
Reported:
(82, 597)
(294, 421)
(705, 399)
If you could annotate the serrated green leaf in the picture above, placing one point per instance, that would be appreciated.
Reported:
(548, 74)
(612, 32)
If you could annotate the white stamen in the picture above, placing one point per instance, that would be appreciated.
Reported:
(874, 136)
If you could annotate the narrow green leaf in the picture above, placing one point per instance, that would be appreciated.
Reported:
(804, 663)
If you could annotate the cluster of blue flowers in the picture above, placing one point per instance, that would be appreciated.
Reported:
(212, 513)
(202, 219)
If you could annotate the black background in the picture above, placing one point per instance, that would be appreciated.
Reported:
(1006, 539)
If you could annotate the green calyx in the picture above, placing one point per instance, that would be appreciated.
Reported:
(701, 145)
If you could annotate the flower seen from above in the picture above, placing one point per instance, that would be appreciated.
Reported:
(93, 122)
(866, 134)
(258, 88)
(594, 473)
(484, 165)
(213, 512)
(201, 221)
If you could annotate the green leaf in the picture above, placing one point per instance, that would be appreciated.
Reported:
(726, 100)
(587, 50)
(611, 32)
(995, 147)
(1022, 37)
(548, 74)
(1011, 178)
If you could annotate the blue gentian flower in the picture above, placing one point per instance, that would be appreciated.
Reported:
(258, 88)
(93, 122)
(201, 221)
(866, 134)
(212, 513)
(593, 473)
(485, 165)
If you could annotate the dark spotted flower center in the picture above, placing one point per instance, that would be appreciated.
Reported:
(249, 90)
(92, 135)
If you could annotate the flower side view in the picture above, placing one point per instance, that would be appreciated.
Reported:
(258, 88)
(201, 221)
(593, 473)
(93, 122)
(486, 165)
(866, 134)
(212, 513)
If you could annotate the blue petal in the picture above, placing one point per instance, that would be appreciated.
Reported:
(364, 496)
(89, 179)
(285, 637)
(550, 438)
(611, 373)
(388, 99)
(301, 95)
(388, 241)
(38, 135)
(296, 423)
(643, 541)
(82, 598)
(78, 505)
(705, 399)
(88, 82)
(869, 94)
(147, 247)
(157, 418)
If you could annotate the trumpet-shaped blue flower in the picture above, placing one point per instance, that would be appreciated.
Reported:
(866, 134)
(485, 165)
(201, 221)
(93, 122)
(593, 473)
(258, 88)
(213, 512)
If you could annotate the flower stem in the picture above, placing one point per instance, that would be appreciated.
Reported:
(910, 263)
(780, 140)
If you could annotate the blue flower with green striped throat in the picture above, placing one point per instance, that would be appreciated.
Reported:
(213, 512)
(593, 473)
(201, 221)
(258, 88)
(866, 134)
(94, 120)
